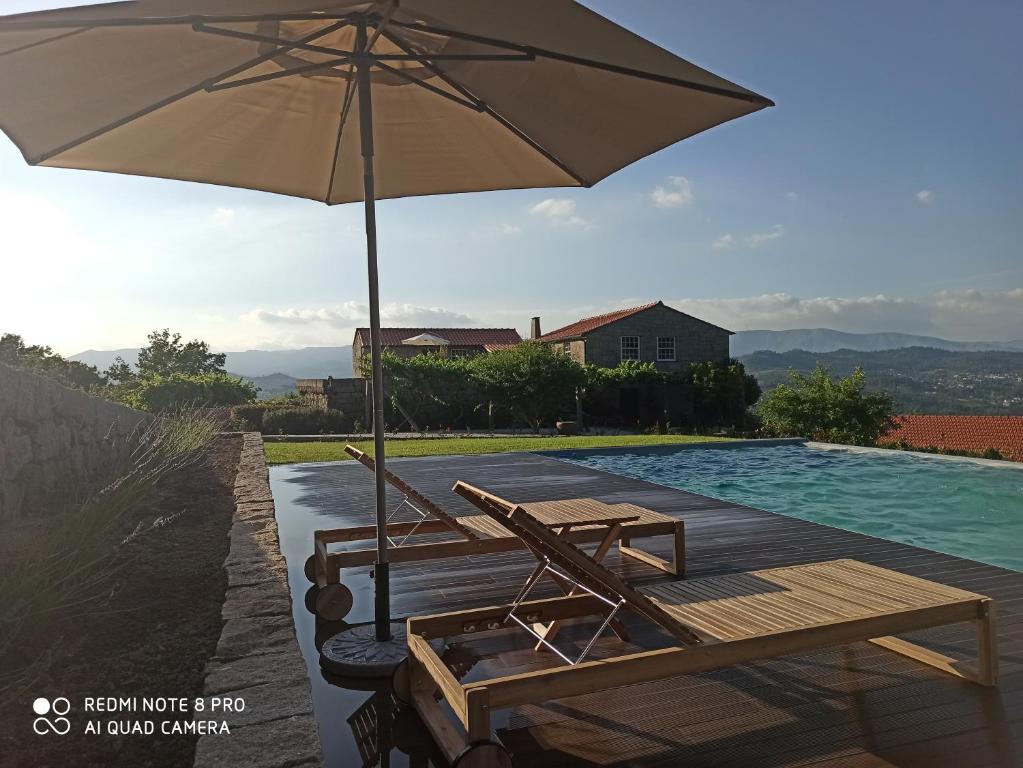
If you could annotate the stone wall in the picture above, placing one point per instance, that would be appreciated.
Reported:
(695, 340)
(57, 445)
(258, 658)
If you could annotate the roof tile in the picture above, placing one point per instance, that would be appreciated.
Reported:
(469, 337)
(961, 433)
(588, 324)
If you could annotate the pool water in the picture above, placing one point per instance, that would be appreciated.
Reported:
(956, 507)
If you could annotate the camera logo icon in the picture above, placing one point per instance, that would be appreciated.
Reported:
(59, 724)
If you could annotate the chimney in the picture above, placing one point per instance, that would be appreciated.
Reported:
(534, 328)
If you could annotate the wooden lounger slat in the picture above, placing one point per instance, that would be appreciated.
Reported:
(742, 618)
(434, 509)
(793, 598)
(485, 528)
(572, 559)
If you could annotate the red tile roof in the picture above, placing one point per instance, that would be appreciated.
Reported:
(962, 433)
(459, 337)
(587, 324)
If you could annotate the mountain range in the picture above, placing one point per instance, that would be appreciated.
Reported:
(320, 362)
(305, 363)
(826, 340)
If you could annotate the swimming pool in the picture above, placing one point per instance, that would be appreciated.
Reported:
(959, 508)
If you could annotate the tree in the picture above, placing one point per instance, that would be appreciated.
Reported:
(431, 390)
(172, 375)
(165, 355)
(831, 410)
(722, 392)
(45, 362)
(534, 381)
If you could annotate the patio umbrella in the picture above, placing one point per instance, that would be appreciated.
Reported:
(350, 101)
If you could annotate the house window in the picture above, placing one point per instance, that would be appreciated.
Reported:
(630, 347)
(666, 349)
(566, 348)
(461, 353)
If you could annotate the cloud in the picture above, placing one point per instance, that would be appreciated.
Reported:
(792, 195)
(968, 315)
(925, 196)
(509, 229)
(223, 214)
(759, 238)
(679, 193)
(351, 314)
(559, 211)
(754, 240)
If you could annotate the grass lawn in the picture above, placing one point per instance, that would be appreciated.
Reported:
(291, 453)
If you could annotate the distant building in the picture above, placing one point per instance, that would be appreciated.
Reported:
(654, 333)
(454, 342)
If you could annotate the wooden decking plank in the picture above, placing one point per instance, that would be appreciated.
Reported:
(856, 706)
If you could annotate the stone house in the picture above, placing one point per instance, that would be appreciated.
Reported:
(654, 333)
(454, 342)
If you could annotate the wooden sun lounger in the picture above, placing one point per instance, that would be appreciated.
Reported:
(717, 621)
(581, 521)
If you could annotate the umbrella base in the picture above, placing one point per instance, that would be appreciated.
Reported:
(356, 652)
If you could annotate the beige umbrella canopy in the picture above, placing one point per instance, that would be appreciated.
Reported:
(565, 99)
(344, 101)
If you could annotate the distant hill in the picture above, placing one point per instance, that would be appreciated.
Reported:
(274, 385)
(923, 380)
(305, 363)
(104, 358)
(827, 340)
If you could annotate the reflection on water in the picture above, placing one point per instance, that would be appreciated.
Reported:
(360, 722)
(960, 508)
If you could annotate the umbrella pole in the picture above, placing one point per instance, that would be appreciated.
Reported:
(381, 567)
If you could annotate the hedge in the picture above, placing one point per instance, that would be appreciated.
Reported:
(302, 421)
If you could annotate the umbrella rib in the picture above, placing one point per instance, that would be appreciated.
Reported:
(345, 109)
(53, 39)
(592, 63)
(487, 109)
(349, 97)
(17, 24)
(418, 57)
(536, 146)
(219, 85)
(257, 38)
(176, 97)
(474, 105)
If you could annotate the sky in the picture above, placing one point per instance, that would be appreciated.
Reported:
(884, 192)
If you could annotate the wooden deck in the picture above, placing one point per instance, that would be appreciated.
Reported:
(857, 706)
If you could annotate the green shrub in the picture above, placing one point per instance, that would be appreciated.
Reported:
(723, 393)
(248, 417)
(531, 380)
(302, 421)
(831, 410)
(160, 394)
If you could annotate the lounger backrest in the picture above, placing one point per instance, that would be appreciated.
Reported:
(577, 563)
(427, 505)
